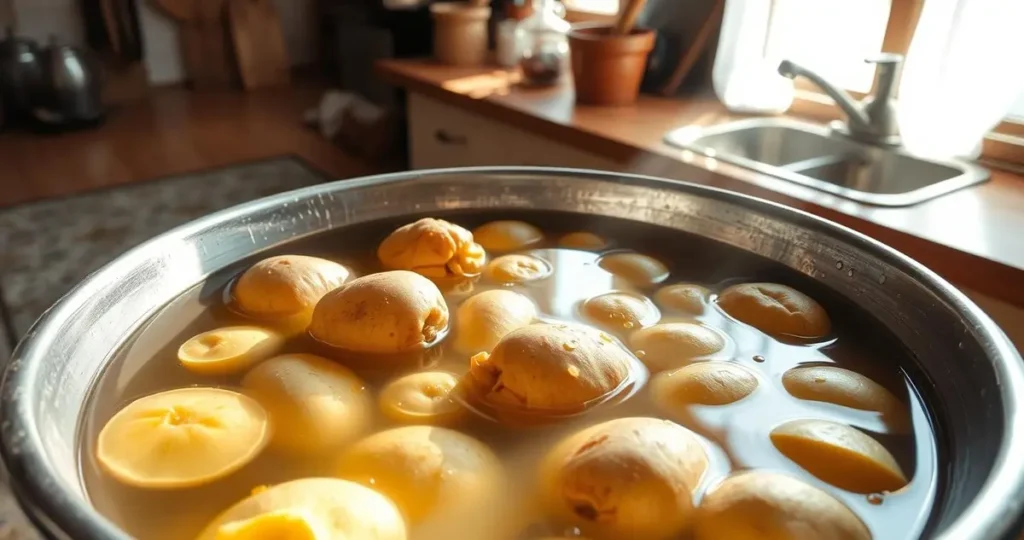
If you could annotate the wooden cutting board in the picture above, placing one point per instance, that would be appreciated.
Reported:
(259, 43)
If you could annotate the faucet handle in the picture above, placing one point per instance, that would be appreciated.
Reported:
(885, 59)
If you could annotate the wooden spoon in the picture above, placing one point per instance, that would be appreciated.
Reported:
(627, 17)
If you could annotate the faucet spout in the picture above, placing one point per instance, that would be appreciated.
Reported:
(857, 118)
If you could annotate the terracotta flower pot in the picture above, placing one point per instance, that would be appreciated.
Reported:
(607, 69)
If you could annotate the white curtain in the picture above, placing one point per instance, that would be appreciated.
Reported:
(744, 80)
(962, 74)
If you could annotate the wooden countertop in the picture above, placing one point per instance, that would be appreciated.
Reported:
(973, 237)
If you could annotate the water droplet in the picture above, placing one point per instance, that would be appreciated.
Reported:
(839, 265)
(850, 273)
(574, 371)
(876, 498)
(373, 481)
(819, 379)
(572, 531)
(627, 325)
(640, 354)
(606, 337)
(569, 346)
(961, 344)
(758, 358)
(881, 280)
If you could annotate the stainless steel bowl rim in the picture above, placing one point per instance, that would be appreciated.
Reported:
(61, 514)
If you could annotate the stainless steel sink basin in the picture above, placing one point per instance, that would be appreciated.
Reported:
(812, 155)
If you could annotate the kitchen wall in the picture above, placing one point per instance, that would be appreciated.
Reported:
(39, 19)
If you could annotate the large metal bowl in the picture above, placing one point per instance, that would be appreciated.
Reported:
(964, 359)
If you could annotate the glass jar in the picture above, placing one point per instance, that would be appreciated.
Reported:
(545, 44)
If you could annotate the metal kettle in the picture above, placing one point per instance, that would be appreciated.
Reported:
(71, 77)
(21, 75)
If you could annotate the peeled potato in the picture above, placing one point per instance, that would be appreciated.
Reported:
(672, 345)
(516, 269)
(762, 505)
(776, 309)
(582, 240)
(549, 367)
(315, 404)
(483, 319)
(847, 388)
(182, 438)
(625, 478)
(389, 312)
(432, 474)
(620, 311)
(703, 383)
(636, 268)
(507, 235)
(229, 350)
(840, 455)
(434, 248)
(422, 398)
(686, 297)
(286, 285)
(310, 509)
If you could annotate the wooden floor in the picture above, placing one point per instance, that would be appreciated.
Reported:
(173, 131)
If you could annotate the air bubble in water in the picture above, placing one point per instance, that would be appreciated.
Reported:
(876, 498)
(758, 358)
(839, 265)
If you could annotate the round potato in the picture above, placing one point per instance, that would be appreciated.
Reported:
(620, 311)
(585, 241)
(625, 478)
(507, 235)
(286, 285)
(434, 248)
(776, 309)
(840, 455)
(485, 318)
(762, 505)
(229, 350)
(832, 384)
(702, 383)
(315, 405)
(687, 298)
(639, 269)
(422, 398)
(385, 313)
(517, 269)
(310, 509)
(672, 345)
(550, 367)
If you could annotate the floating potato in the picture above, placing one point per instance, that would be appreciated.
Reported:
(686, 297)
(840, 455)
(431, 473)
(434, 248)
(672, 345)
(422, 398)
(776, 309)
(389, 312)
(636, 268)
(703, 383)
(847, 388)
(483, 319)
(582, 240)
(625, 478)
(310, 509)
(507, 235)
(229, 350)
(182, 438)
(620, 311)
(517, 269)
(286, 285)
(315, 404)
(762, 505)
(547, 367)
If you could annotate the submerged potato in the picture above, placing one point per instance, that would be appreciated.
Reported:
(286, 285)
(639, 269)
(389, 312)
(507, 235)
(310, 509)
(625, 478)
(431, 473)
(549, 367)
(315, 404)
(517, 269)
(672, 345)
(762, 505)
(228, 350)
(424, 397)
(703, 383)
(776, 309)
(840, 455)
(685, 297)
(620, 311)
(483, 319)
(582, 240)
(847, 388)
(182, 438)
(434, 248)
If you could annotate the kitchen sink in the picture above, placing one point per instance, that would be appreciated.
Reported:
(814, 156)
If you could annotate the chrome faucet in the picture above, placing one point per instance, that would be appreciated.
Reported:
(871, 121)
